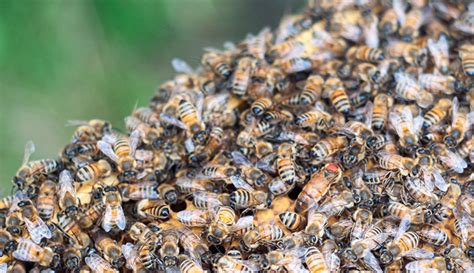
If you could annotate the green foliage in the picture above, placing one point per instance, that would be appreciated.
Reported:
(63, 60)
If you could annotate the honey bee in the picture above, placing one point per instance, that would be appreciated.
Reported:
(448, 158)
(219, 228)
(461, 122)
(401, 246)
(109, 249)
(169, 250)
(113, 215)
(440, 52)
(35, 225)
(153, 209)
(29, 169)
(462, 228)
(261, 106)
(298, 64)
(262, 235)
(91, 215)
(243, 72)
(437, 113)
(466, 53)
(121, 150)
(228, 264)
(327, 147)
(382, 104)
(317, 187)
(437, 263)
(408, 89)
(406, 127)
(292, 220)
(89, 130)
(464, 22)
(46, 200)
(365, 54)
(217, 62)
(242, 198)
(94, 171)
(98, 264)
(194, 218)
(433, 235)
(410, 28)
(315, 260)
(285, 164)
(415, 216)
(226, 173)
(338, 95)
(30, 252)
(149, 134)
(388, 24)
(188, 265)
(312, 90)
(72, 228)
(279, 187)
(316, 118)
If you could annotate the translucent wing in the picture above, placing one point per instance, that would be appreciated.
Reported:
(66, 184)
(239, 182)
(266, 163)
(29, 149)
(186, 182)
(417, 124)
(173, 121)
(111, 138)
(439, 180)
(134, 141)
(189, 145)
(120, 218)
(372, 34)
(107, 220)
(199, 104)
(371, 261)
(130, 255)
(98, 264)
(396, 122)
(399, 8)
(239, 159)
(181, 66)
(293, 136)
(107, 149)
(207, 197)
(454, 110)
(143, 155)
(404, 226)
(369, 107)
(38, 230)
(407, 116)
(193, 218)
(454, 161)
(334, 262)
(242, 223)
(418, 253)
(25, 250)
(3, 267)
(76, 122)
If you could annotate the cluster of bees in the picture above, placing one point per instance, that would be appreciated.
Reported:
(339, 142)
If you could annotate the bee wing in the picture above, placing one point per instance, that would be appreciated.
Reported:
(419, 253)
(439, 180)
(239, 182)
(396, 122)
(417, 124)
(75, 122)
(181, 66)
(24, 253)
(454, 110)
(107, 149)
(404, 226)
(66, 184)
(189, 145)
(107, 220)
(130, 254)
(407, 116)
(3, 267)
(454, 161)
(208, 197)
(239, 159)
(29, 149)
(399, 7)
(80, 162)
(173, 121)
(369, 107)
(242, 223)
(199, 104)
(134, 141)
(186, 182)
(371, 261)
(371, 34)
(290, 135)
(98, 264)
(120, 218)
(197, 216)
(266, 163)
(38, 230)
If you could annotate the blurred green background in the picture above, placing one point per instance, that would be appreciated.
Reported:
(64, 60)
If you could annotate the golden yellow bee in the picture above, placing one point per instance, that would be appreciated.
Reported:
(109, 248)
(466, 53)
(30, 252)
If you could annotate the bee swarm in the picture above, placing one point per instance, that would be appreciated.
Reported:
(341, 141)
